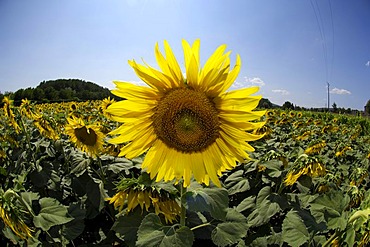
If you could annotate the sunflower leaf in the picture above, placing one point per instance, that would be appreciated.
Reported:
(52, 213)
(153, 233)
(232, 230)
(294, 232)
(213, 200)
(128, 225)
(236, 183)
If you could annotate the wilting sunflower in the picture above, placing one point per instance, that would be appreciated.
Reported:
(305, 165)
(8, 103)
(44, 127)
(189, 126)
(314, 149)
(313, 170)
(88, 138)
(12, 216)
(132, 192)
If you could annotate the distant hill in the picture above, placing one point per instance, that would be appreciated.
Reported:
(63, 90)
(267, 104)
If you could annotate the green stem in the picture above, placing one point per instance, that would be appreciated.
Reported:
(28, 139)
(183, 202)
(102, 172)
(66, 161)
(332, 237)
(10, 193)
(199, 226)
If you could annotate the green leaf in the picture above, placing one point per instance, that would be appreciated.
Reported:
(96, 195)
(232, 230)
(74, 228)
(331, 208)
(152, 233)
(236, 182)
(294, 231)
(350, 236)
(52, 213)
(273, 167)
(213, 200)
(247, 203)
(266, 206)
(128, 225)
(28, 197)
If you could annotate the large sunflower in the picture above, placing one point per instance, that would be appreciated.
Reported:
(88, 138)
(188, 126)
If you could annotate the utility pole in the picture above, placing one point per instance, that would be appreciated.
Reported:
(328, 96)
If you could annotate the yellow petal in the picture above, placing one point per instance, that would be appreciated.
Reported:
(232, 75)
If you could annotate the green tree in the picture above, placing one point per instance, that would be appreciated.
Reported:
(38, 94)
(288, 106)
(335, 107)
(367, 107)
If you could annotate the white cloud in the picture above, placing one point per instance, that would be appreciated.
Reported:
(339, 91)
(280, 91)
(367, 63)
(255, 81)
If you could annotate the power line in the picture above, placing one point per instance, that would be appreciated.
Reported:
(320, 25)
(332, 45)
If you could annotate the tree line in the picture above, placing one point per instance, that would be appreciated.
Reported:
(61, 90)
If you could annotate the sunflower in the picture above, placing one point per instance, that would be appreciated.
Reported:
(12, 216)
(147, 194)
(188, 127)
(314, 169)
(316, 148)
(88, 138)
(8, 103)
(26, 109)
(105, 104)
(160, 203)
(45, 128)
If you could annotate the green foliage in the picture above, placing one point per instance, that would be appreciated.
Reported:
(52, 213)
(213, 200)
(153, 233)
(63, 90)
(62, 193)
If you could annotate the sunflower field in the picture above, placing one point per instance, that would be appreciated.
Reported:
(306, 184)
(182, 162)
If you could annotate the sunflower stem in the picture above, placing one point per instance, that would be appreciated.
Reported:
(28, 139)
(183, 202)
(102, 172)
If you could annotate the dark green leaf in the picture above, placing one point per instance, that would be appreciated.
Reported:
(236, 183)
(247, 203)
(52, 213)
(128, 225)
(232, 230)
(213, 200)
(294, 232)
(74, 228)
(266, 206)
(153, 233)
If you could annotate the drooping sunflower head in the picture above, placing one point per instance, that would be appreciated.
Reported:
(7, 107)
(26, 108)
(188, 126)
(88, 138)
(45, 128)
(13, 216)
(134, 192)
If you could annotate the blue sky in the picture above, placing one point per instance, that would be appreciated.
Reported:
(291, 49)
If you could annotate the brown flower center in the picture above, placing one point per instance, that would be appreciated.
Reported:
(186, 120)
(86, 135)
